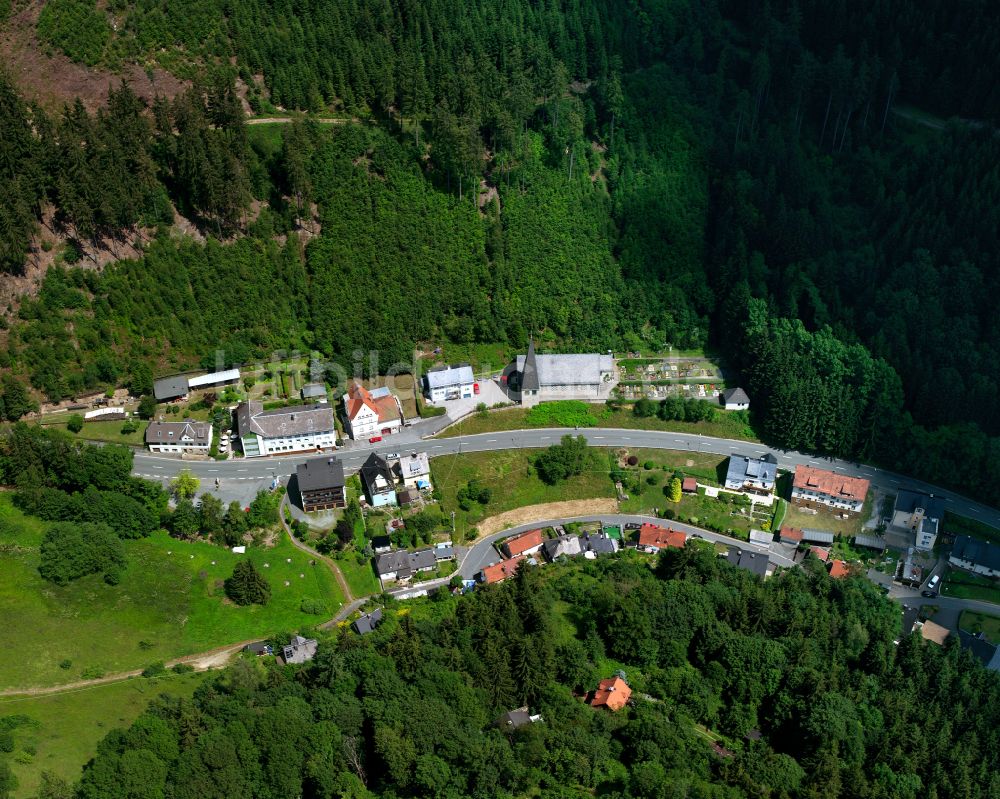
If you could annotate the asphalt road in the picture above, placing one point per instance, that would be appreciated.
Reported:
(246, 475)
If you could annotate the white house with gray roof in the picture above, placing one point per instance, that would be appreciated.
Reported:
(753, 475)
(534, 378)
(179, 438)
(449, 383)
(279, 431)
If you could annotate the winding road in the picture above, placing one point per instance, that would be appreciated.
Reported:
(259, 472)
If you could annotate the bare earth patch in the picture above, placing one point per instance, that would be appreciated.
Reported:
(545, 511)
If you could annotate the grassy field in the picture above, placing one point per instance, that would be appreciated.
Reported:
(169, 603)
(973, 622)
(360, 577)
(483, 358)
(63, 730)
(964, 585)
(512, 481)
(724, 426)
(109, 431)
(402, 386)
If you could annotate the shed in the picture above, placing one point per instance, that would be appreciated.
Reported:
(761, 537)
(689, 485)
(812, 536)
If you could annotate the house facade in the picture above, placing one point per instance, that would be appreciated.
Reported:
(281, 431)
(371, 413)
(534, 378)
(525, 544)
(321, 484)
(402, 565)
(752, 475)
(449, 383)
(813, 487)
(653, 538)
(378, 481)
(975, 556)
(179, 438)
(734, 399)
(499, 572)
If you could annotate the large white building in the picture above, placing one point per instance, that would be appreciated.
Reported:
(371, 413)
(813, 486)
(449, 383)
(535, 378)
(185, 437)
(304, 428)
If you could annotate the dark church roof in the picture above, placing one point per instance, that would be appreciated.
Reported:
(529, 375)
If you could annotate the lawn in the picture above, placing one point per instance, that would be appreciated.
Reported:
(108, 431)
(170, 599)
(402, 387)
(483, 358)
(512, 482)
(63, 730)
(725, 425)
(964, 585)
(973, 622)
(824, 519)
(360, 577)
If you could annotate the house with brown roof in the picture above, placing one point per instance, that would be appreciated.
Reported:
(612, 693)
(689, 485)
(822, 554)
(790, 535)
(932, 631)
(302, 428)
(812, 487)
(653, 538)
(524, 544)
(840, 569)
(371, 413)
(499, 572)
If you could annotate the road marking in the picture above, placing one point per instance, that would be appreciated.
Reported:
(241, 470)
(626, 438)
(598, 438)
(544, 438)
(213, 470)
(491, 440)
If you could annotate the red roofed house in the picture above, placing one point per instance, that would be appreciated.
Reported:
(839, 569)
(791, 535)
(499, 572)
(652, 536)
(813, 487)
(613, 694)
(689, 485)
(525, 544)
(371, 413)
(819, 552)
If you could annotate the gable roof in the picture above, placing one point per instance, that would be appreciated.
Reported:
(563, 545)
(396, 560)
(793, 534)
(374, 467)
(413, 465)
(735, 395)
(367, 622)
(280, 422)
(299, 650)
(809, 478)
(170, 387)
(499, 572)
(934, 632)
(523, 542)
(743, 468)
(214, 378)
(819, 552)
(817, 536)
(755, 562)
(612, 693)
(598, 543)
(975, 551)
(513, 719)
(574, 369)
(319, 473)
(908, 501)
(381, 403)
(981, 649)
(447, 376)
(173, 432)
(652, 535)
(839, 569)
(870, 541)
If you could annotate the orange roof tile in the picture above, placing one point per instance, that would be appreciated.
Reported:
(612, 693)
(791, 534)
(652, 535)
(839, 568)
(819, 552)
(499, 572)
(830, 483)
(522, 543)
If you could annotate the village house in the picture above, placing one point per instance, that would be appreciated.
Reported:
(281, 431)
(762, 537)
(367, 622)
(985, 652)
(812, 487)
(371, 413)
(916, 520)
(975, 556)
(402, 565)
(321, 484)
(524, 544)
(299, 650)
(184, 438)
(752, 475)
(520, 717)
(535, 378)
(499, 572)
(754, 562)
(790, 535)
(612, 694)
(450, 383)
(839, 569)
(594, 544)
(564, 546)
(931, 631)
(378, 481)
(734, 399)
(653, 538)
(413, 470)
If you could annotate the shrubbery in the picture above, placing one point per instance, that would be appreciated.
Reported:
(70, 551)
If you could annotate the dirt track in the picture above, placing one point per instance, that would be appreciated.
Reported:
(546, 510)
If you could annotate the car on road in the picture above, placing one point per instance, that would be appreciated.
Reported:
(929, 594)
(392, 455)
(374, 439)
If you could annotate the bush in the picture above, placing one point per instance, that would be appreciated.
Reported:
(563, 460)
(561, 413)
(6, 741)
(70, 551)
(92, 673)
(632, 460)
(313, 607)
(649, 466)
(66, 663)
(75, 423)
(154, 670)
(652, 480)
(182, 668)
(129, 427)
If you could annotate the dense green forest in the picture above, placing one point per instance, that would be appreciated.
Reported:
(800, 676)
(625, 174)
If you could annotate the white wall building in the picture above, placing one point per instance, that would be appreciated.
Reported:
(537, 378)
(371, 413)
(449, 383)
(179, 438)
(304, 428)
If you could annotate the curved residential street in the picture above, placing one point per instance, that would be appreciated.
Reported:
(246, 475)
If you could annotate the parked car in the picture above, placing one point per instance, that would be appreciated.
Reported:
(374, 439)
(392, 456)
